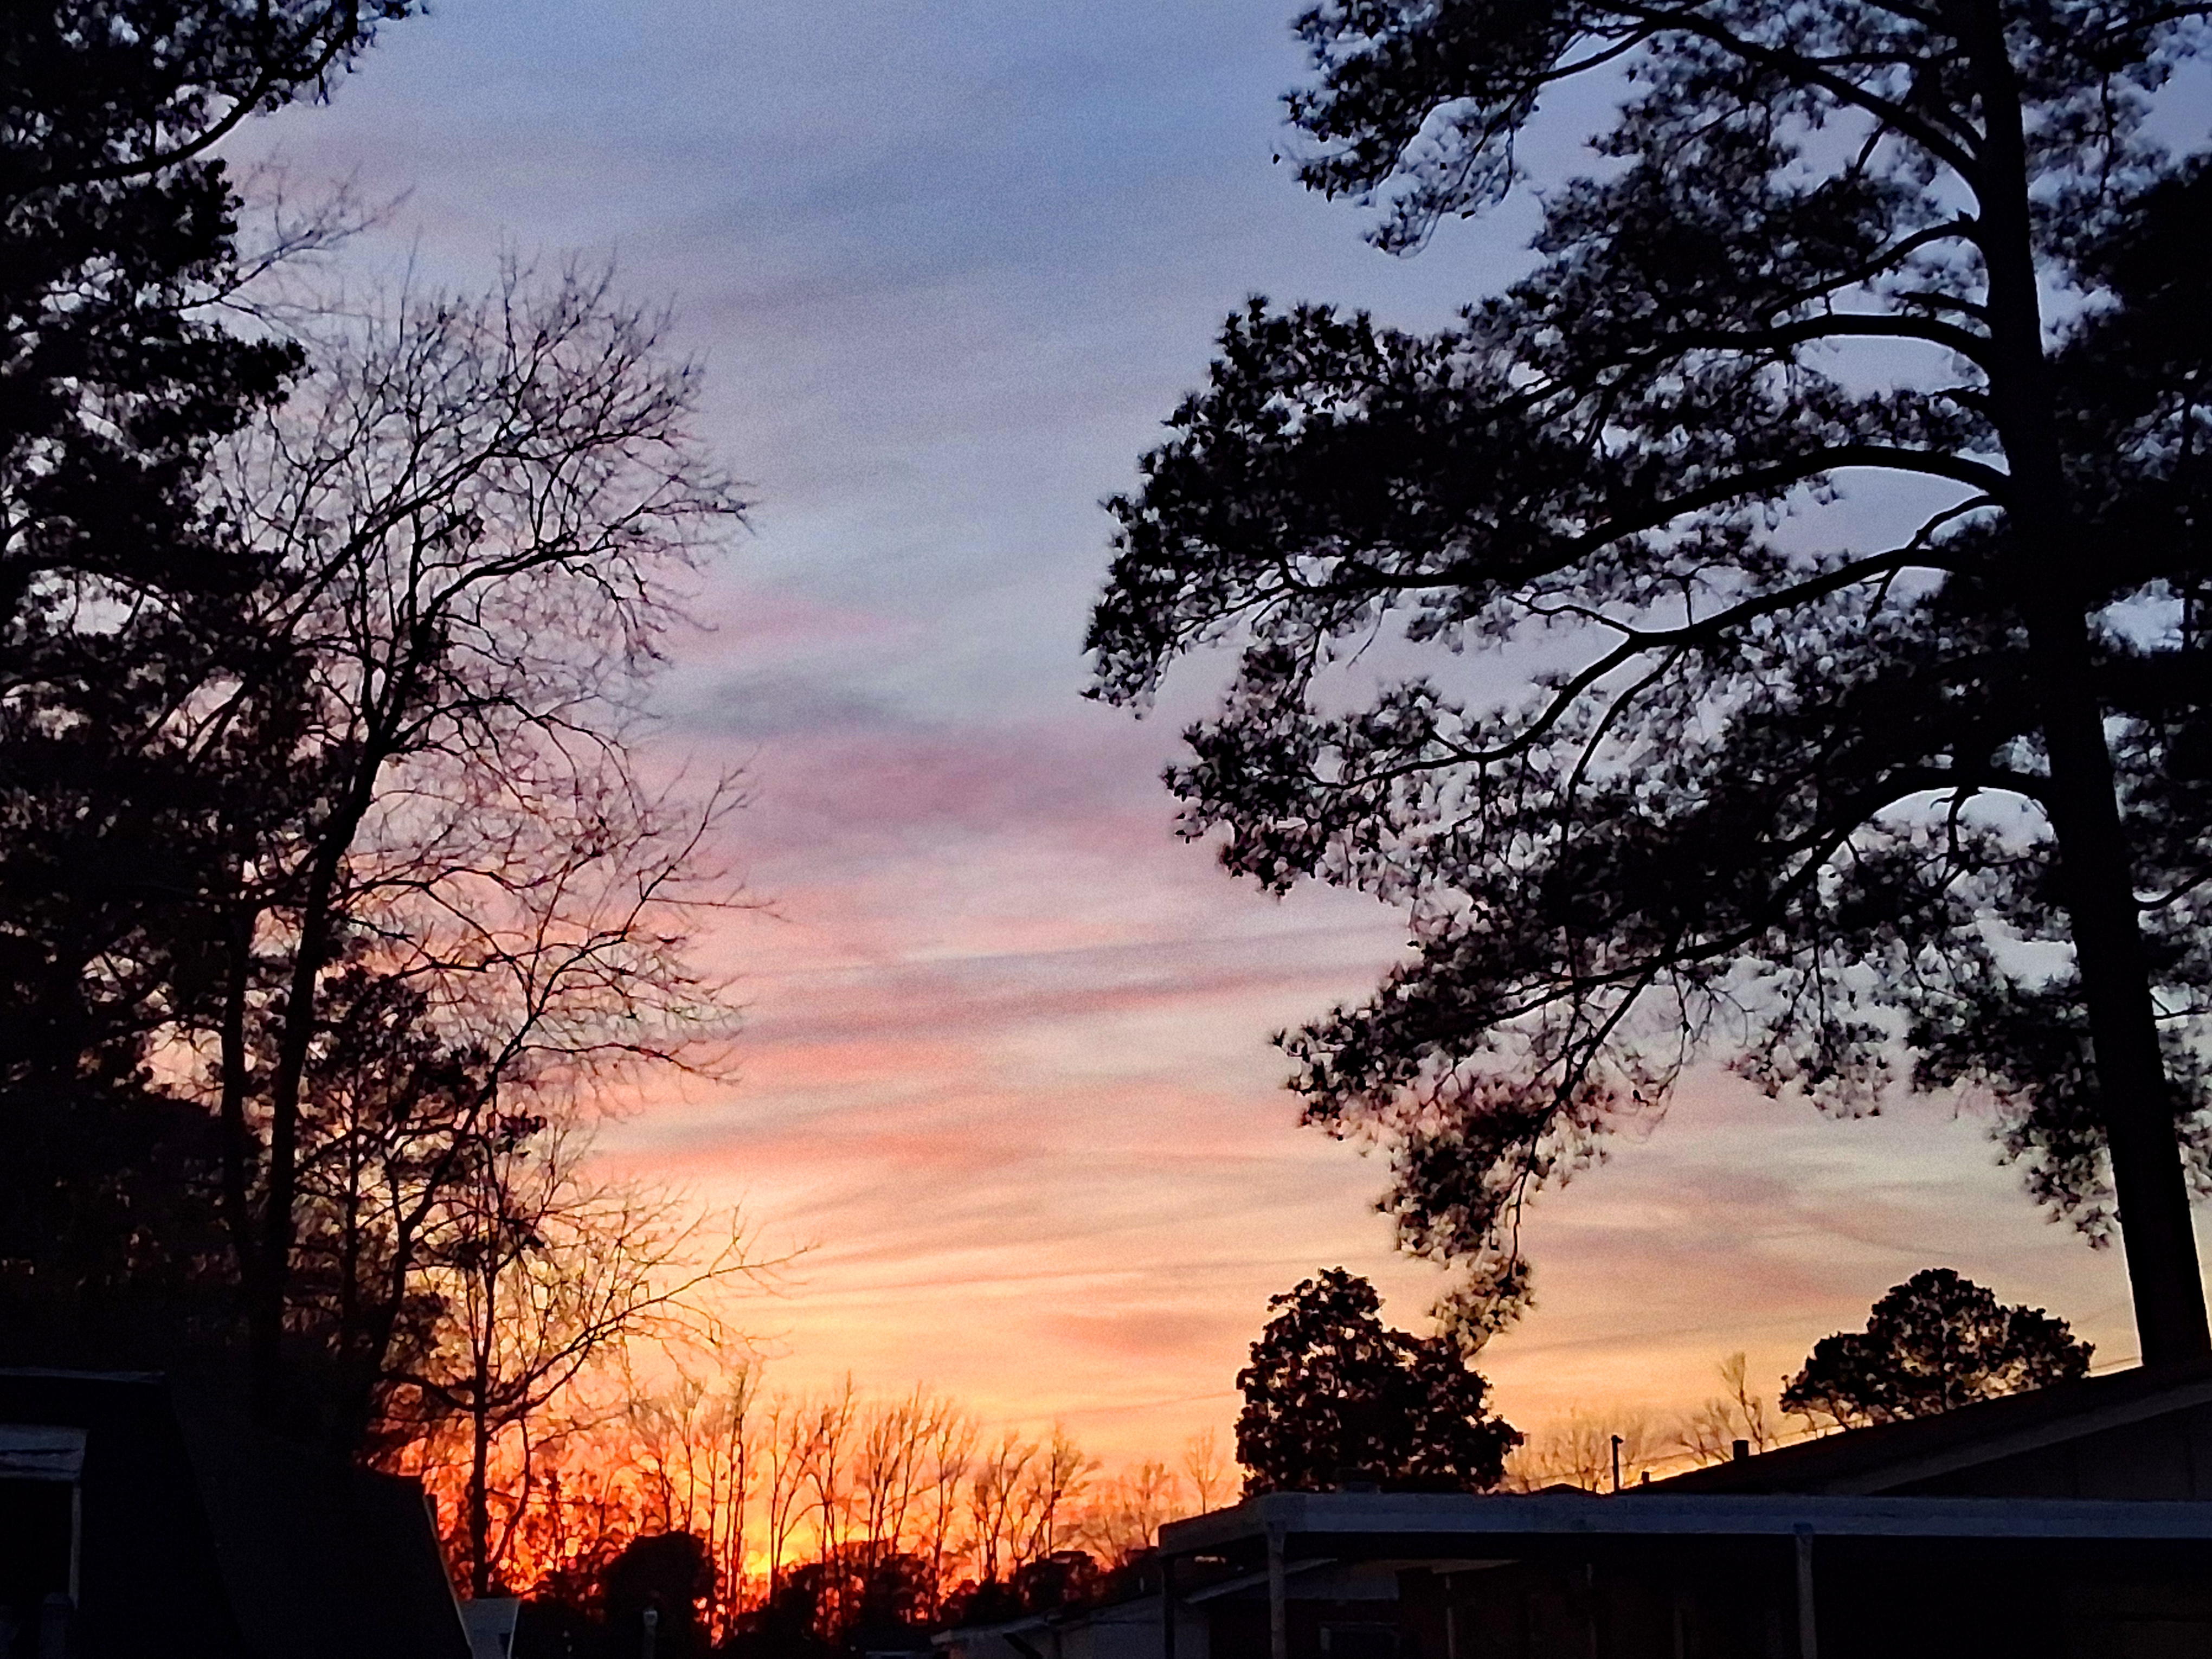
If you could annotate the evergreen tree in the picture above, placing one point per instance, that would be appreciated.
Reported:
(141, 707)
(1839, 808)
(1933, 1344)
(1333, 1396)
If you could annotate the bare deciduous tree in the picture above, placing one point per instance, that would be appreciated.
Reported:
(830, 1452)
(1044, 1500)
(549, 1273)
(995, 1489)
(481, 514)
(1710, 1432)
(693, 1447)
(1206, 1468)
(1580, 1452)
(788, 1441)
(1124, 1517)
(951, 1457)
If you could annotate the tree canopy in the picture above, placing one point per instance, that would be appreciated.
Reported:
(127, 603)
(328, 882)
(1936, 1342)
(1333, 1396)
(1852, 808)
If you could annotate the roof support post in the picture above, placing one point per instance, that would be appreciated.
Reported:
(1167, 1606)
(1808, 1636)
(1278, 1624)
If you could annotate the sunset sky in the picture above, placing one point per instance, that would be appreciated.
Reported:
(1005, 1066)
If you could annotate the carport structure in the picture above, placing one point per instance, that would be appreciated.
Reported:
(1651, 1575)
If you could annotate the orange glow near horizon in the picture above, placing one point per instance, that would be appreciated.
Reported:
(1017, 1099)
(1005, 1063)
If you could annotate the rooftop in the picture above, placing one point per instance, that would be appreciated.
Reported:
(1887, 1455)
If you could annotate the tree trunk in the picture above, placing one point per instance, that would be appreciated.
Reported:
(319, 931)
(480, 1498)
(238, 1144)
(2135, 1097)
(280, 1193)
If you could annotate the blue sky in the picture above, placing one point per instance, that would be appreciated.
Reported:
(949, 267)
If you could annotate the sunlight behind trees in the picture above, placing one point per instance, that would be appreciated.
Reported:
(1767, 626)
(816, 1513)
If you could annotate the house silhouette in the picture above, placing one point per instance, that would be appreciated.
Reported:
(2075, 1522)
(137, 1520)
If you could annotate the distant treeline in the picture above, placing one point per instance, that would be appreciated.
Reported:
(797, 1519)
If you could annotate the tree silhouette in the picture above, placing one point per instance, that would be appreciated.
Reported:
(1934, 1343)
(1331, 1395)
(127, 607)
(549, 1274)
(476, 515)
(1841, 803)
(1710, 1434)
(667, 1575)
(1203, 1464)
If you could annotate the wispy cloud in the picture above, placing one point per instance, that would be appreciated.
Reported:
(949, 265)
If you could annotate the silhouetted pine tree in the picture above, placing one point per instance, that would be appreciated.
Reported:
(1837, 809)
(1333, 1396)
(141, 708)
